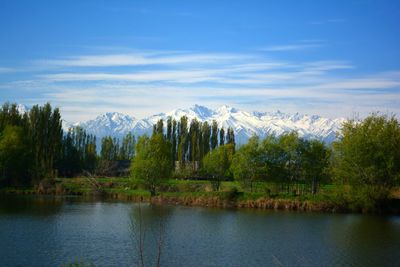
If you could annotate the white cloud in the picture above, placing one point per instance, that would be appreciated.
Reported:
(140, 59)
(143, 83)
(6, 70)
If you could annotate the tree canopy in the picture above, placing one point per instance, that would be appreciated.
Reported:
(152, 162)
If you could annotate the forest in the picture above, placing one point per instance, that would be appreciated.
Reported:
(363, 164)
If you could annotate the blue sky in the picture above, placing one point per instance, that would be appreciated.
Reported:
(332, 58)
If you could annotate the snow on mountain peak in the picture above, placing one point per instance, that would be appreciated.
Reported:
(22, 108)
(245, 124)
(202, 111)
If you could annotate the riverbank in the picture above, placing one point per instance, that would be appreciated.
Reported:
(200, 193)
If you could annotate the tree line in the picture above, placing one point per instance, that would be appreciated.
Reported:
(33, 146)
(363, 163)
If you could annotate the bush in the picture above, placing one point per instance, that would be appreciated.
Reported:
(233, 193)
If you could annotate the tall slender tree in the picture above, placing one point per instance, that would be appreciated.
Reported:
(214, 135)
(222, 137)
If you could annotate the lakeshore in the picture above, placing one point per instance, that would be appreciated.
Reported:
(199, 193)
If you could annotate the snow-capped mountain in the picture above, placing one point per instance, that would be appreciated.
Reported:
(22, 108)
(245, 124)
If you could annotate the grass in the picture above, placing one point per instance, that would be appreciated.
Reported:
(199, 192)
(190, 188)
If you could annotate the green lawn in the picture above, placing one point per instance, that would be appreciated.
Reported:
(193, 188)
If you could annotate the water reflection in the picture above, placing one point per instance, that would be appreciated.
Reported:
(148, 226)
(52, 231)
(36, 206)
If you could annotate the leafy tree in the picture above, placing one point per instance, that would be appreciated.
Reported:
(173, 141)
(169, 129)
(194, 141)
(152, 162)
(159, 127)
(214, 135)
(183, 140)
(9, 115)
(206, 135)
(247, 163)
(127, 148)
(222, 137)
(45, 130)
(78, 153)
(315, 162)
(14, 156)
(109, 149)
(230, 137)
(290, 144)
(216, 165)
(367, 157)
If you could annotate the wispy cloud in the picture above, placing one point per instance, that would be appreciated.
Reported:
(142, 83)
(6, 70)
(296, 46)
(140, 59)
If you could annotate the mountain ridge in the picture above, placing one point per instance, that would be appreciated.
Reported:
(245, 124)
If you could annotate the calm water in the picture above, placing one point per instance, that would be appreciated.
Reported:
(54, 231)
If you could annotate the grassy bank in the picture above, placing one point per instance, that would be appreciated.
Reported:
(200, 193)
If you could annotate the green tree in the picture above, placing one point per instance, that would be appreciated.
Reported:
(109, 149)
(275, 160)
(315, 163)
(247, 164)
(169, 129)
(194, 141)
(45, 130)
(216, 165)
(214, 135)
(367, 157)
(183, 140)
(14, 156)
(173, 141)
(206, 135)
(159, 127)
(230, 136)
(152, 162)
(127, 148)
(290, 143)
(222, 137)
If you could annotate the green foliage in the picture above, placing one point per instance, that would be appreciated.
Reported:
(45, 130)
(78, 153)
(39, 132)
(221, 137)
(183, 139)
(214, 135)
(315, 162)
(367, 157)
(216, 164)
(14, 156)
(127, 148)
(152, 162)
(109, 148)
(287, 160)
(230, 136)
(247, 166)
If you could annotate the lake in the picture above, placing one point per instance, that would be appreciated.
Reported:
(52, 231)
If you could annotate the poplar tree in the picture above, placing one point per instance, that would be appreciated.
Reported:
(173, 141)
(221, 137)
(206, 134)
(214, 135)
(169, 129)
(183, 139)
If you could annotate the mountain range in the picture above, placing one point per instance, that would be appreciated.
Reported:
(245, 124)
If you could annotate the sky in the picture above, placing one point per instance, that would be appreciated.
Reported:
(331, 58)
